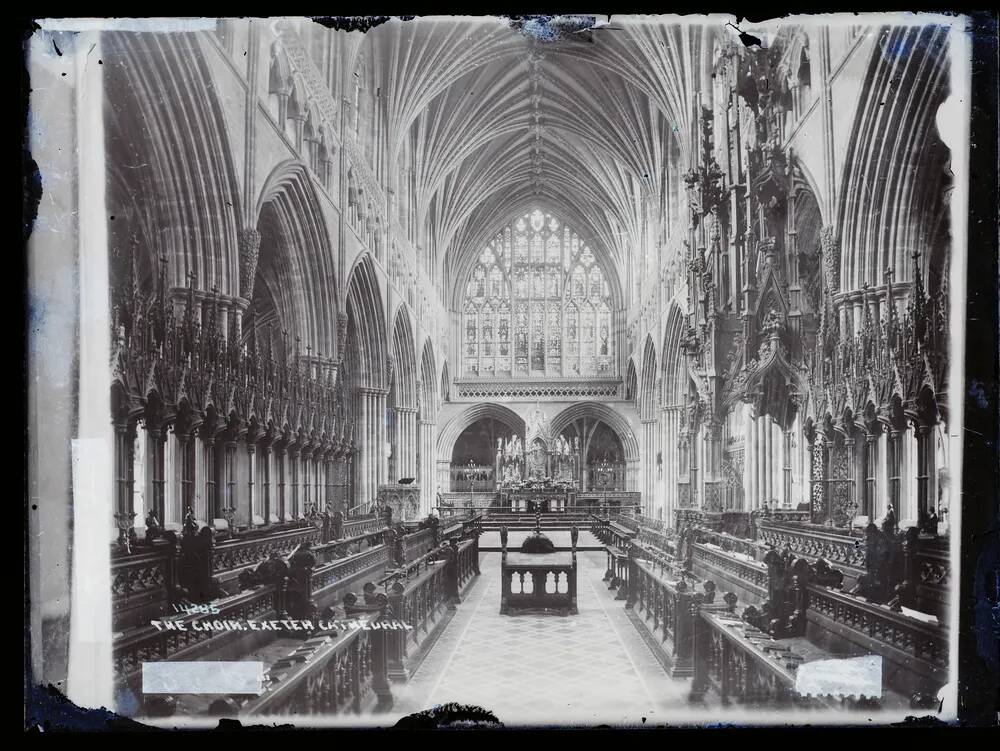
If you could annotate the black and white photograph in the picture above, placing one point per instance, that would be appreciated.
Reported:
(503, 372)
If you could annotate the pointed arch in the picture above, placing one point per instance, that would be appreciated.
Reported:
(647, 385)
(366, 324)
(404, 380)
(602, 412)
(631, 381)
(445, 384)
(450, 432)
(892, 196)
(173, 188)
(295, 279)
(673, 362)
(429, 393)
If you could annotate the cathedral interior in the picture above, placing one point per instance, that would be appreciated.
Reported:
(612, 361)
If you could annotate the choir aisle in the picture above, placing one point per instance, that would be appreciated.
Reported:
(589, 668)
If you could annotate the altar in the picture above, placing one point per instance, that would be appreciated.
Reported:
(544, 499)
(539, 474)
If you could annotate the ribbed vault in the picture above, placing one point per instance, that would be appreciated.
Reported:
(500, 121)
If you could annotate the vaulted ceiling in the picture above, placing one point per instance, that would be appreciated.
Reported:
(576, 119)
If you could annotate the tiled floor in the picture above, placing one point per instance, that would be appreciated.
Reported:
(586, 669)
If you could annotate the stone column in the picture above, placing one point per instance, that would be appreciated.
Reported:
(253, 502)
(364, 457)
(281, 477)
(769, 459)
(869, 468)
(923, 472)
(761, 462)
(266, 490)
(750, 464)
(407, 417)
(428, 473)
(124, 467)
(666, 469)
(293, 496)
(649, 462)
(229, 478)
(443, 475)
(382, 474)
(852, 464)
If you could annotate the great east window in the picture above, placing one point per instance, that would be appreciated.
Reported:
(537, 303)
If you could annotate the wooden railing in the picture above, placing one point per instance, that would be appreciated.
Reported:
(349, 673)
(327, 582)
(932, 577)
(648, 522)
(665, 560)
(281, 581)
(713, 562)
(617, 540)
(299, 586)
(196, 567)
(736, 661)
(238, 552)
(347, 546)
(354, 526)
(610, 531)
(538, 581)
(796, 610)
(904, 568)
(746, 548)
(839, 549)
(419, 600)
(792, 597)
(343, 674)
(179, 638)
(420, 594)
(418, 543)
(142, 584)
(787, 515)
(626, 521)
(664, 604)
(665, 542)
(918, 645)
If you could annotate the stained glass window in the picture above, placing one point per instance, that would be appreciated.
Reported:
(538, 304)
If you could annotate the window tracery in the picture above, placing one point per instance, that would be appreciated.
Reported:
(537, 303)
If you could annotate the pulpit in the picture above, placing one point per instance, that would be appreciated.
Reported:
(403, 500)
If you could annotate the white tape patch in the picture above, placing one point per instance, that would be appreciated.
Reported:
(851, 676)
(203, 677)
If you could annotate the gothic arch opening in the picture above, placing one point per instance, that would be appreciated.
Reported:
(286, 270)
